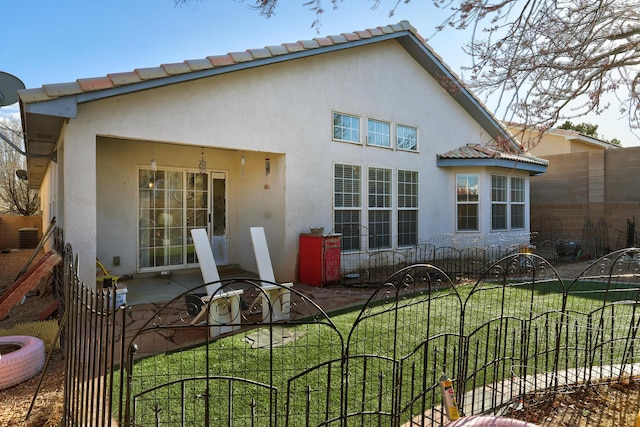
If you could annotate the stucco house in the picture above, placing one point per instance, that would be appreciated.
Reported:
(557, 141)
(364, 129)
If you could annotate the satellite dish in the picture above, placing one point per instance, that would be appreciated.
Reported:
(9, 87)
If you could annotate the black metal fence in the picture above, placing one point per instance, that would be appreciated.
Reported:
(468, 256)
(267, 355)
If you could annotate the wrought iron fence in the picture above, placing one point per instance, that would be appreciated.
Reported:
(282, 360)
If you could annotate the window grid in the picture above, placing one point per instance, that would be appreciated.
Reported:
(346, 127)
(407, 138)
(467, 198)
(517, 202)
(162, 211)
(499, 201)
(507, 202)
(407, 208)
(379, 133)
(379, 208)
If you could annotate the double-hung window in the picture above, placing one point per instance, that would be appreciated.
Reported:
(347, 205)
(379, 208)
(407, 208)
(507, 202)
(378, 133)
(467, 201)
(499, 202)
(517, 202)
(346, 127)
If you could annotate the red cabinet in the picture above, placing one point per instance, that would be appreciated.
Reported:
(319, 258)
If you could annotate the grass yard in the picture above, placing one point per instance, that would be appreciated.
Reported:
(511, 330)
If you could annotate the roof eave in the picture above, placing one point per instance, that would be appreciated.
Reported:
(66, 106)
(532, 168)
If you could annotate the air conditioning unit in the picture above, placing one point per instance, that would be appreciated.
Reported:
(27, 238)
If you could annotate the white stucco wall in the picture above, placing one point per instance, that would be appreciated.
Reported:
(283, 111)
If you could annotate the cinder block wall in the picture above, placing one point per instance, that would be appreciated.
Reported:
(9, 226)
(590, 185)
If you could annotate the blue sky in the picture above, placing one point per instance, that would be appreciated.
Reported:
(55, 41)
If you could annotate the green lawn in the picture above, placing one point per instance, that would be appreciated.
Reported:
(498, 322)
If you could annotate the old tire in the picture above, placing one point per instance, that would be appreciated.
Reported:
(489, 421)
(22, 364)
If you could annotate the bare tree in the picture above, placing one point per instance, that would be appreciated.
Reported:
(547, 60)
(540, 61)
(15, 196)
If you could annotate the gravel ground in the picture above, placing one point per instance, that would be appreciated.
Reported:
(605, 405)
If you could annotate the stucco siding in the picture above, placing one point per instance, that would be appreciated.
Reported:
(281, 111)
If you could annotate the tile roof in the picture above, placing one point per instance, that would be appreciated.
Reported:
(52, 91)
(484, 151)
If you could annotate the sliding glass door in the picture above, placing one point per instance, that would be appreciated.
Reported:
(171, 203)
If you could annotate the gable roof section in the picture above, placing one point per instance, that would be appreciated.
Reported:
(486, 156)
(44, 109)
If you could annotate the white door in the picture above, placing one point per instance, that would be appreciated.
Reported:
(219, 241)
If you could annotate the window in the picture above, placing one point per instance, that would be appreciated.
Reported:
(407, 208)
(407, 138)
(379, 208)
(378, 133)
(507, 202)
(498, 202)
(347, 205)
(346, 128)
(467, 202)
(517, 202)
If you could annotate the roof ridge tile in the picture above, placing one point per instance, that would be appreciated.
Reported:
(293, 47)
(324, 41)
(60, 89)
(309, 44)
(351, 36)
(94, 83)
(339, 39)
(277, 50)
(176, 68)
(121, 79)
(366, 34)
(260, 53)
(199, 64)
(220, 60)
(239, 57)
(151, 73)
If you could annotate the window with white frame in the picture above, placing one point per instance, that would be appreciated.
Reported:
(378, 133)
(507, 202)
(467, 201)
(407, 208)
(407, 138)
(346, 127)
(517, 202)
(379, 208)
(170, 204)
(347, 205)
(499, 202)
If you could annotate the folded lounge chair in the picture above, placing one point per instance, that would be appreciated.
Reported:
(223, 307)
(276, 299)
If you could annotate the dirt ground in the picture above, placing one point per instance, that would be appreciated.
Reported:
(603, 405)
(15, 401)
